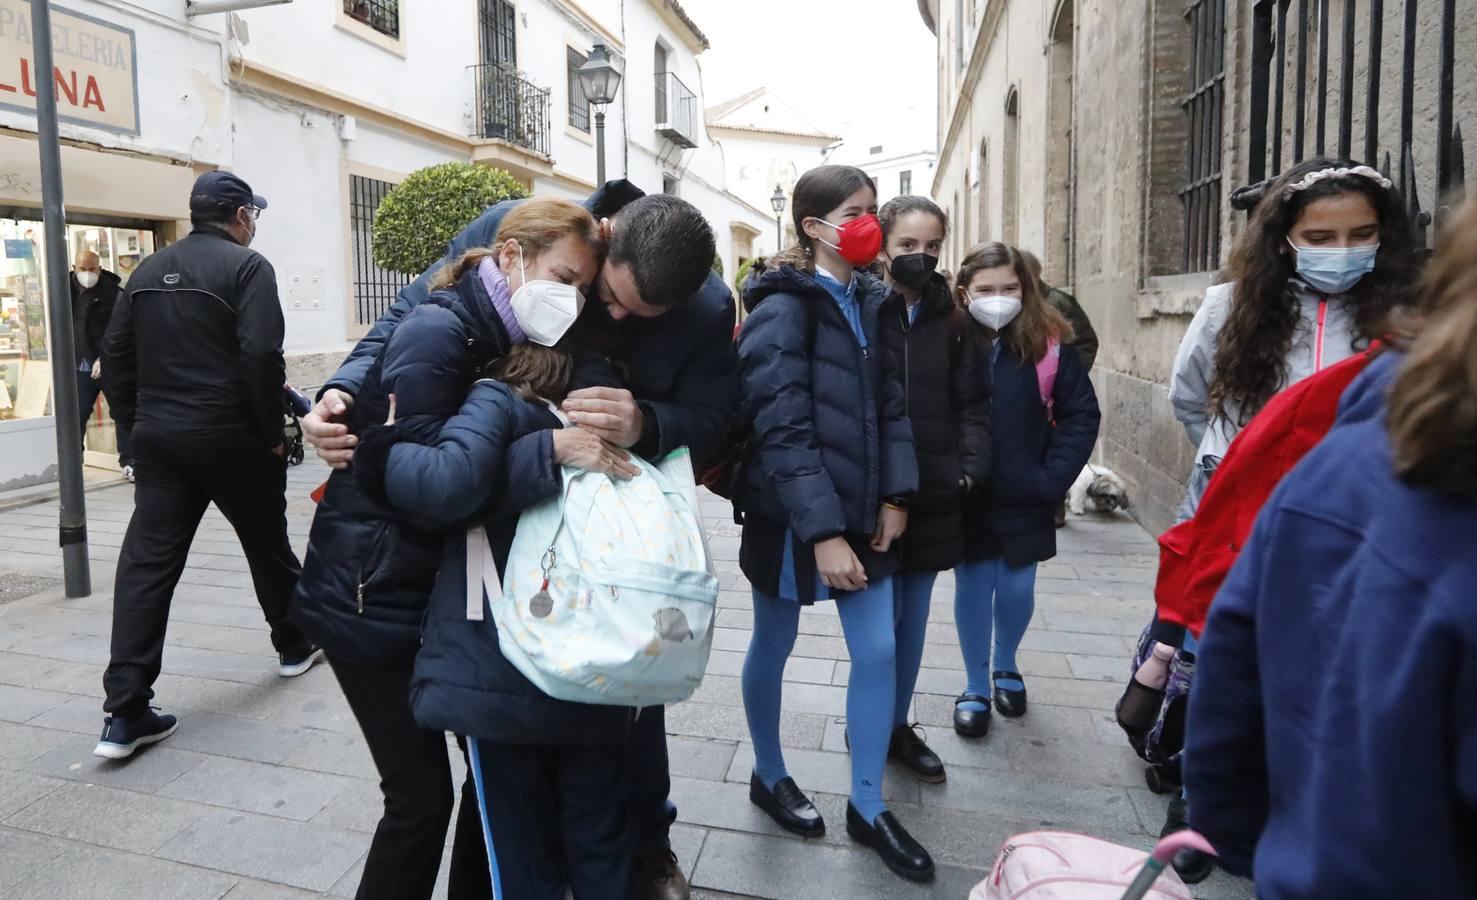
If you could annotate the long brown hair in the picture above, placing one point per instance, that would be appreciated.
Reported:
(536, 225)
(535, 372)
(816, 194)
(1251, 352)
(1433, 405)
(1028, 333)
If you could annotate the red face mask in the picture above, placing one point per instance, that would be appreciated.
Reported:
(860, 239)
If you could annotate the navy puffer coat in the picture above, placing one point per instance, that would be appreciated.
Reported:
(368, 568)
(462, 681)
(830, 435)
(1034, 460)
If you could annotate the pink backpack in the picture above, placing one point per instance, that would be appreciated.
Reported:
(1046, 375)
(1060, 865)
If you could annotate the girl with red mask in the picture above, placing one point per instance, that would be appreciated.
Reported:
(824, 491)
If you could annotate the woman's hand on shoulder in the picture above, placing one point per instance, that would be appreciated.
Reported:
(582, 449)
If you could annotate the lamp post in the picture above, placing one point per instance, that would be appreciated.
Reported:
(778, 202)
(600, 76)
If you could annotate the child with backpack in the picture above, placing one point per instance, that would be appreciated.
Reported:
(549, 773)
(1043, 424)
(825, 492)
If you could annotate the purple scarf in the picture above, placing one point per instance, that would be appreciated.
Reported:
(502, 299)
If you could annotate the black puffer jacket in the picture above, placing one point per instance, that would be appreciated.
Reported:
(368, 570)
(947, 402)
(830, 435)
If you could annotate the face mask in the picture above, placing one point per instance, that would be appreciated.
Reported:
(913, 270)
(860, 239)
(87, 279)
(1334, 270)
(545, 309)
(996, 311)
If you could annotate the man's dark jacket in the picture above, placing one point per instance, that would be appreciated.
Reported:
(680, 366)
(195, 343)
(1084, 338)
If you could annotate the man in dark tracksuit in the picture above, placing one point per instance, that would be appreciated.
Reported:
(677, 345)
(95, 293)
(192, 362)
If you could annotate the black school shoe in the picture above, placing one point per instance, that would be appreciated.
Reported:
(788, 806)
(1192, 866)
(903, 855)
(1010, 704)
(972, 723)
(907, 747)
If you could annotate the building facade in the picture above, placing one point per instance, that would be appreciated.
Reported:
(898, 171)
(1109, 136)
(322, 107)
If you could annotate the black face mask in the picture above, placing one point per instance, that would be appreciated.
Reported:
(913, 270)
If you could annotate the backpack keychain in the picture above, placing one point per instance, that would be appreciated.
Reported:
(542, 603)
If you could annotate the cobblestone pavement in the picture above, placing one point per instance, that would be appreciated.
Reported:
(266, 791)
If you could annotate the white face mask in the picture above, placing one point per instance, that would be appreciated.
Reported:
(995, 311)
(545, 309)
(87, 279)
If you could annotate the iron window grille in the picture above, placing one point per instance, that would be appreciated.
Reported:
(374, 288)
(1204, 107)
(579, 104)
(497, 22)
(381, 15)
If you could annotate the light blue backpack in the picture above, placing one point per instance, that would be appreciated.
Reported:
(608, 595)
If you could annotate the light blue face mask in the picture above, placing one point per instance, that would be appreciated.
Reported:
(1334, 270)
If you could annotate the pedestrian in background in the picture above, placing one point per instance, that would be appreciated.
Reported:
(1333, 729)
(192, 362)
(1043, 424)
(95, 293)
(825, 495)
(946, 399)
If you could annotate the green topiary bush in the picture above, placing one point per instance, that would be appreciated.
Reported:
(718, 265)
(421, 214)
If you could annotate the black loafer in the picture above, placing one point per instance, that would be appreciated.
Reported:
(788, 806)
(969, 722)
(1011, 704)
(902, 854)
(907, 747)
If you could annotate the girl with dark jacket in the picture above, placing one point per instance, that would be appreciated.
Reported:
(549, 774)
(1332, 740)
(946, 399)
(369, 568)
(825, 494)
(1043, 424)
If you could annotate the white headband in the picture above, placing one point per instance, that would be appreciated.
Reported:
(1313, 178)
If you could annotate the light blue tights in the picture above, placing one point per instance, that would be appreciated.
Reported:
(992, 598)
(911, 592)
(867, 622)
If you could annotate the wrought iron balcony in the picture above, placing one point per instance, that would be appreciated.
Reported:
(676, 110)
(511, 108)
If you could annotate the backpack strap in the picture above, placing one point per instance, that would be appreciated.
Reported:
(1046, 369)
(481, 573)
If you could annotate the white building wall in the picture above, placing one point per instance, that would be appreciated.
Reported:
(757, 162)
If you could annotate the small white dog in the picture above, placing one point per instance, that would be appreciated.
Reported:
(1099, 488)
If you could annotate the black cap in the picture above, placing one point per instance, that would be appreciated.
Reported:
(216, 189)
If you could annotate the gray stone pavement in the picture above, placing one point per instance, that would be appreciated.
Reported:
(266, 791)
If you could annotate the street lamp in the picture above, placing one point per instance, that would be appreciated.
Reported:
(778, 202)
(600, 76)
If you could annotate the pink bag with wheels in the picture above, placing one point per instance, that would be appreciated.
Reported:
(1060, 865)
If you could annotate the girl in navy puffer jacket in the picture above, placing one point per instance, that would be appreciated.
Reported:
(825, 493)
(1042, 430)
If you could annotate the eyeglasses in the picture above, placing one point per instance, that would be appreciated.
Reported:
(254, 211)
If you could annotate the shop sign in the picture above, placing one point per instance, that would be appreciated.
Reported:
(96, 67)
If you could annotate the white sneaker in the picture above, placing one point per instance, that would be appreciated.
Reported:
(128, 473)
(291, 666)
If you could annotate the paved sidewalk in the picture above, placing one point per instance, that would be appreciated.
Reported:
(266, 791)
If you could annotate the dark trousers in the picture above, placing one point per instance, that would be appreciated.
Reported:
(649, 814)
(178, 477)
(552, 819)
(88, 391)
(415, 779)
